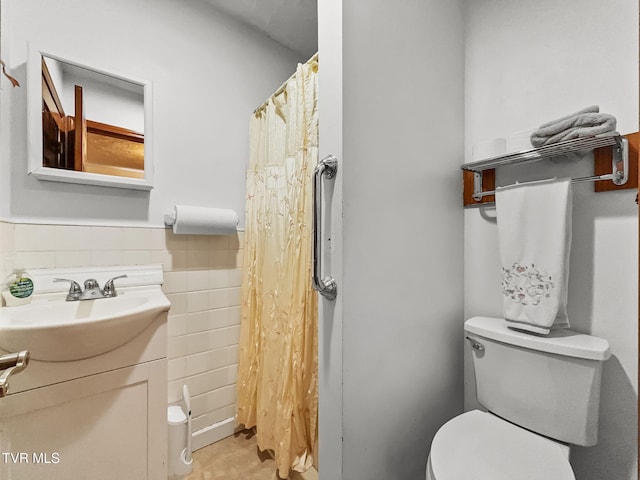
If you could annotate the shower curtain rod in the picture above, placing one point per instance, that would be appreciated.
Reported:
(314, 58)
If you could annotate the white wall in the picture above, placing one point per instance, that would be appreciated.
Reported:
(533, 61)
(5, 116)
(208, 73)
(330, 312)
(402, 232)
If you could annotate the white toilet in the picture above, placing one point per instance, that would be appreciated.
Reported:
(542, 395)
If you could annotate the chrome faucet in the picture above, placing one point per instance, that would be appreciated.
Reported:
(92, 289)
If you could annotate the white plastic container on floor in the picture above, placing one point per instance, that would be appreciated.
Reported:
(179, 461)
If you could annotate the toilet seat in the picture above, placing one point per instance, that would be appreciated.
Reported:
(480, 446)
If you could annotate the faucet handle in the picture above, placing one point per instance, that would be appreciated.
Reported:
(109, 288)
(74, 288)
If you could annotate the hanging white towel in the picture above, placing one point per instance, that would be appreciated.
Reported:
(534, 234)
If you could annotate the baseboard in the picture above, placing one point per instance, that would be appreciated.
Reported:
(213, 433)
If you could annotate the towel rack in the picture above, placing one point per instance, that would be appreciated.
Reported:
(619, 160)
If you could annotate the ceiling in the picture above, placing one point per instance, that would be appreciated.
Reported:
(292, 23)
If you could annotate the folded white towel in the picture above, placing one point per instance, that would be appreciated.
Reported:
(584, 123)
(534, 234)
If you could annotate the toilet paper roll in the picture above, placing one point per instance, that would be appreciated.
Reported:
(519, 142)
(204, 221)
(488, 149)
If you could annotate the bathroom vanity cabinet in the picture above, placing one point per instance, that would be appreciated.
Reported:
(99, 418)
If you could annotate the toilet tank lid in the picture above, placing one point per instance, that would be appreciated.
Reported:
(560, 341)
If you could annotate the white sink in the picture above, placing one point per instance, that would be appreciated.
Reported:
(55, 330)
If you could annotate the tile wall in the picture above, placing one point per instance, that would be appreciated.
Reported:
(6, 249)
(201, 279)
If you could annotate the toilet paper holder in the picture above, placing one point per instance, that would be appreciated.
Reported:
(170, 218)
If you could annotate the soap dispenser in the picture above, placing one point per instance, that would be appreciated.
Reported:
(17, 289)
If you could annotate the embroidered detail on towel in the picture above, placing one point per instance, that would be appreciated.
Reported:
(526, 285)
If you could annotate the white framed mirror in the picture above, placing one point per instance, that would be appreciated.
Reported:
(87, 124)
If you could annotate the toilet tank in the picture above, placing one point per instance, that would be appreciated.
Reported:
(550, 385)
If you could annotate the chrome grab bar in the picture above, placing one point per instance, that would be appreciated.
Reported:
(326, 286)
(10, 364)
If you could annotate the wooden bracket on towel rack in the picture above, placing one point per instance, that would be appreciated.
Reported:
(602, 165)
(488, 185)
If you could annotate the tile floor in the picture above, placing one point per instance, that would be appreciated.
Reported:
(238, 458)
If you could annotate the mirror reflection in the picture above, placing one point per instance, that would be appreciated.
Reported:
(91, 122)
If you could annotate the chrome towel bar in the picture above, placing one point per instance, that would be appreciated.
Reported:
(326, 286)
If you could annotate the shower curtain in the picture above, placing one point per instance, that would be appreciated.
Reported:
(277, 371)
